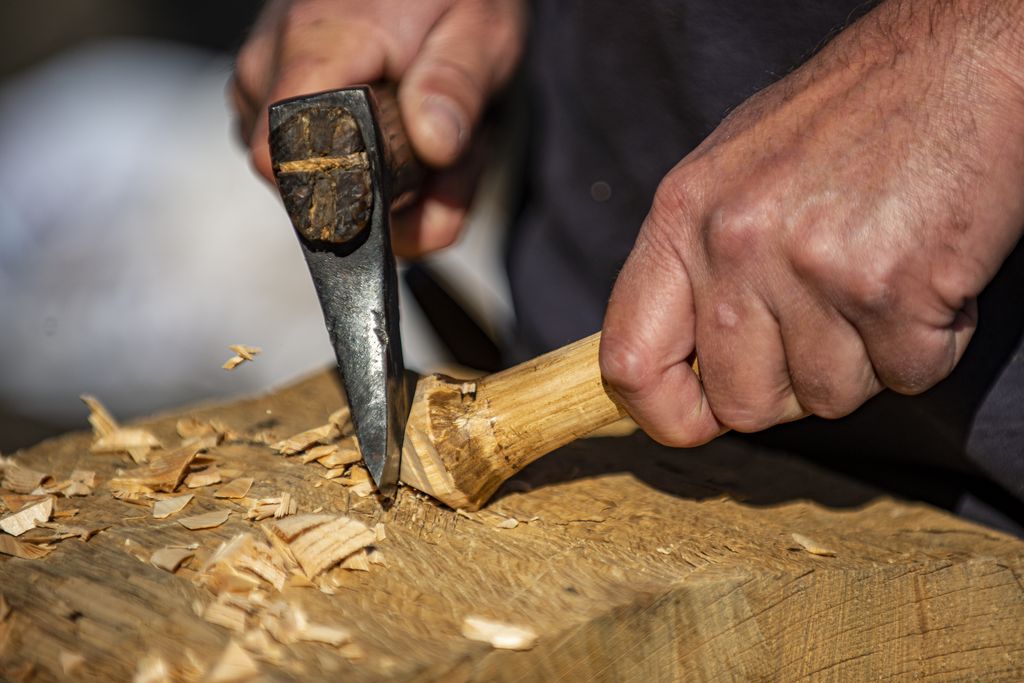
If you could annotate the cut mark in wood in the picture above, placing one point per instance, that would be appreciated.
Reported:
(355, 160)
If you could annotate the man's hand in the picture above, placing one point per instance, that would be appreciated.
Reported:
(830, 237)
(448, 56)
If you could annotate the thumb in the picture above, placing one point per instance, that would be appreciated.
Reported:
(464, 59)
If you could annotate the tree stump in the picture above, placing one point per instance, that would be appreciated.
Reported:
(629, 561)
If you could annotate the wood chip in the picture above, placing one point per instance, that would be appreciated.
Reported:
(162, 509)
(500, 635)
(229, 616)
(237, 488)
(507, 523)
(169, 559)
(18, 548)
(207, 477)
(208, 432)
(812, 547)
(319, 542)
(80, 483)
(277, 508)
(339, 455)
(28, 517)
(103, 423)
(234, 666)
(111, 437)
(379, 533)
(288, 623)
(303, 440)
(207, 520)
(242, 353)
(242, 564)
(70, 662)
(358, 561)
(163, 474)
(17, 502)
(152, 669)
(20, 479)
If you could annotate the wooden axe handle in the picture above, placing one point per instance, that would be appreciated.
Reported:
(465, 438)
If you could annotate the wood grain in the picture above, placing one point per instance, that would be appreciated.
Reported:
(638, 563)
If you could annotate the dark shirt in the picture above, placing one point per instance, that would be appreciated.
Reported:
(622, 91)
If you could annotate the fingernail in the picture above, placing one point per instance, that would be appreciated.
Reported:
(444, 123)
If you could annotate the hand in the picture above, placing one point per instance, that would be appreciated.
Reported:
(448, 57)
(830, 237)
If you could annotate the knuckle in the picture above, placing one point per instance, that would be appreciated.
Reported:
(917, 375)
(736, 232)
(624, 363)
(869, 284)
(744, 417)
(816, 256)
(677, 199)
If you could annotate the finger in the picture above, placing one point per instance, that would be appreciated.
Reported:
(647, 339)
(322, 57)
(742, 359)
(467, 56)
(829, 366)
(910, 357)
(437, 219)
(253, 71)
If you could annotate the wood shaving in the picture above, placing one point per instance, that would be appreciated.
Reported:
(163, 474)
(169, 559)
(376, 557)
(20, 479)
(304, 440)
(317, 452)
(207, 432)
(162, 509)
(16, 502)
(26, 551)
(241, 565)
(234, 666)
(111, 437)
(499, 635)
(339, 455)
(379, 533)
(358, 561)
(277, 508)
(319, 542)
(333, 474)
(70, 662)
(207, 477)
(227, 615)
(207, 520)
(243, 353)
(27, 518)
(258, 641)
(152, 669)
(288, 623)
(237, 488)
(59, 532)
(80, 483)
(812, 547)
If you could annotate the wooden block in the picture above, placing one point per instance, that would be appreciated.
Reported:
(630, 562)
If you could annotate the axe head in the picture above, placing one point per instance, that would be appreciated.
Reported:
(333, 156)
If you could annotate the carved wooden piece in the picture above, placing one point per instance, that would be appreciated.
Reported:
(630, 562)
(465, 438)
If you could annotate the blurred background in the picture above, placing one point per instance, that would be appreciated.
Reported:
(136, 243)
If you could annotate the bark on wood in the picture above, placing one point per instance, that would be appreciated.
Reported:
(630, 562)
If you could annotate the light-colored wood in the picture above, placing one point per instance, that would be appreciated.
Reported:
(466, 437)
(631, 562)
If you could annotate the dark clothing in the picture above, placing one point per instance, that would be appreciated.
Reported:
(622, 92)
